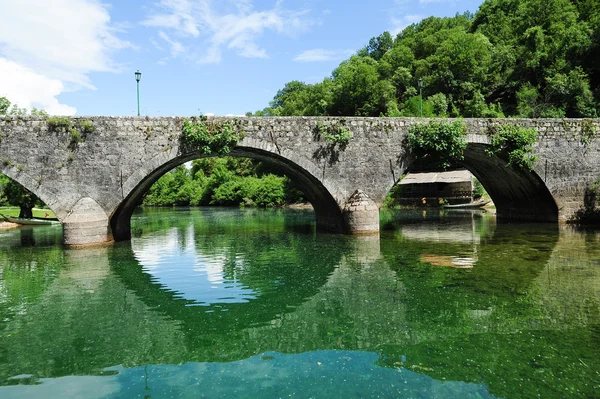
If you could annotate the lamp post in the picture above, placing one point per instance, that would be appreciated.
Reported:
(421, 96)
(138, 77)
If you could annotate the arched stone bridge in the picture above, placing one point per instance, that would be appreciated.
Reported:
(94, 185)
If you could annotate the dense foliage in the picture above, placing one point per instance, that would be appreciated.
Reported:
(514, 144)
(526, 58)
(441, 143)
(223, 181)
(208, 137)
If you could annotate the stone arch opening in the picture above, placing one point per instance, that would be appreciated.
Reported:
(519, 195)
(328, 213)
(24, 185)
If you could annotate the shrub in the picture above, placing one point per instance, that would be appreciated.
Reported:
(56, 124)
(87, 126)
(441, 142)
(514, 144)
(208, 137)
(335, 133)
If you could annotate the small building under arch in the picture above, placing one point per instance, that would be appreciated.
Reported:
(453, 187)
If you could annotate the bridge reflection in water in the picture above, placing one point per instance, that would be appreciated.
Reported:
(299, 312)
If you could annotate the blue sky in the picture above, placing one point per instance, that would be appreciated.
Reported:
(227, 57)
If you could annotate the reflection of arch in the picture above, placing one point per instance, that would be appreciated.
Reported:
(519, 272)
(517, 194)
(289, 290)
(326, 208)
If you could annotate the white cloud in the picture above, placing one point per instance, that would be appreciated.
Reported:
(176, 47)
(30, 90)
(318, 55)
(219, 27)
(59, 41)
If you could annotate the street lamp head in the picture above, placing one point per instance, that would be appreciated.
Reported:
(138, 75)
(420, 82)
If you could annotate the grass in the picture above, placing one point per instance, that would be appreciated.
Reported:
(13, 211)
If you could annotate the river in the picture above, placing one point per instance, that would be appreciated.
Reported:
(249, 303)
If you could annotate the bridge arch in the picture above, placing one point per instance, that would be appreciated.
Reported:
(46, 195)
(517, 194)
(328, 212)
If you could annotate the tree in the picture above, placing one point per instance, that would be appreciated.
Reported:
(4, 105)
(358, 90)
(23, 198)
(535, 58)
(378, 46)
(15, 193)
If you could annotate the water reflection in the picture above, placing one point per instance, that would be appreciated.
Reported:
(304, 314)
(172, 260)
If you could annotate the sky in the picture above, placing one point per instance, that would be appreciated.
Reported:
(222, 57)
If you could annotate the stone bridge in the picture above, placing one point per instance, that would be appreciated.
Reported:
(94, 183)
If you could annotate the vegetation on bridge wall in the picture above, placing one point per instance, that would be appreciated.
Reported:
(590, 213)
(209, 137)
(514, 144)
(442, 143)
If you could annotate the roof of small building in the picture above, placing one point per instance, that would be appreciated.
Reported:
(454, 176)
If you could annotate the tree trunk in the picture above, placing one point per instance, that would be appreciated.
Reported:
(26, 212)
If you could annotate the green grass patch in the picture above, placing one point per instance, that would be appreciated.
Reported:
(13, 211)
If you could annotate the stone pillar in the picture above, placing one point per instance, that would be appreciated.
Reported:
(361, 214)
(86, 224)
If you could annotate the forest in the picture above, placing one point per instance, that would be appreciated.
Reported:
(512, 58)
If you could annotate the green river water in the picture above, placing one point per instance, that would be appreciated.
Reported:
(234, 303)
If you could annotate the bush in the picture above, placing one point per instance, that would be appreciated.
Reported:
(208, 137)
(514, 144)
(334, 134)
(266, 191)
(441, 142)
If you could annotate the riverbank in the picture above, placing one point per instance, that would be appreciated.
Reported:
(7, 225)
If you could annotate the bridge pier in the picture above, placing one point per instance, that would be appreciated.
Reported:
(86, 224)
(361, 214)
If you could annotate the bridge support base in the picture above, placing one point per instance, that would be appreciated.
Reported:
(361, 214)
(87, 224)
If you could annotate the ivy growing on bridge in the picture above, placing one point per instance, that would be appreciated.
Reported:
(209, 137)
(78, 131)
(588, 130)
(440, 142)
(514, 144)
(335, 133)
